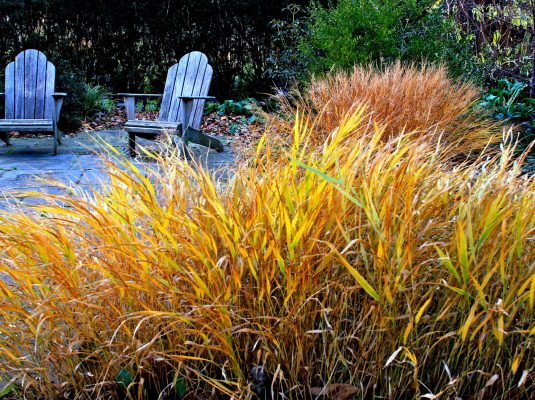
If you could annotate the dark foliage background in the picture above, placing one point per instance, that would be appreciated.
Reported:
(256, 45)
(127, 45)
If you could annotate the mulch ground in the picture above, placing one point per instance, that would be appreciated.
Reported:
(235, 129)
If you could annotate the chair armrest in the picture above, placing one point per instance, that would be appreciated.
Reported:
(58, 103)
(138, 95)
(207, 98)
(130, 102)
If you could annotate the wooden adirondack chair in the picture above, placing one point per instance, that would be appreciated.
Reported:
(181, 111)
(31, 105)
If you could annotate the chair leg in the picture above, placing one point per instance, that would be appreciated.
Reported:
(55, 139)
(183, 142)
(59, 137)
(132, 144)
(196, 136)
(5, 137)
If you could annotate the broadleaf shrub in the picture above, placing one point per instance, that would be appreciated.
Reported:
(509, 101)
(152, 105)
(245, 107)
(359, 32)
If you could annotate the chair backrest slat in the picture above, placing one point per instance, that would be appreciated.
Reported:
(40, 92)
(198, 105)
(176, 90)
(194, 65)
(49, 90)
(19, 86)
(10, 91)
(29, 85)
(190, 77)
(168, 92)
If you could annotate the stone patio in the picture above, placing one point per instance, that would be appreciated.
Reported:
(29, 163)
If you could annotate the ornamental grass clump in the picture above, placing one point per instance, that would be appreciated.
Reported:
(399, 98)
(363, 261)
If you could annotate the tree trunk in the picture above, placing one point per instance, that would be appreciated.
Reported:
(532, 81)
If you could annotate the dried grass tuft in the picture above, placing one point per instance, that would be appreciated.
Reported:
(399, 98)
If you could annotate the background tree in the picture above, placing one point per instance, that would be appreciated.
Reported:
(502, 36)
(129, 44)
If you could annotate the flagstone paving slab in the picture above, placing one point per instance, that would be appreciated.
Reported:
(28, 165)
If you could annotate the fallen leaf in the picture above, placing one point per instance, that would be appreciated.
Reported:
(337, 391)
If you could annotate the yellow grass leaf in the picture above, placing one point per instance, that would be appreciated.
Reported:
(407, 332)
(446, 262)
(532, 293)
(411, 357)
(469, 321)
(422, 309)
(516, 362)
(9, 354)
(358, 277)
(498, 329)
(463, 253)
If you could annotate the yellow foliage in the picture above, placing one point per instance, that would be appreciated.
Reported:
(318, 269)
